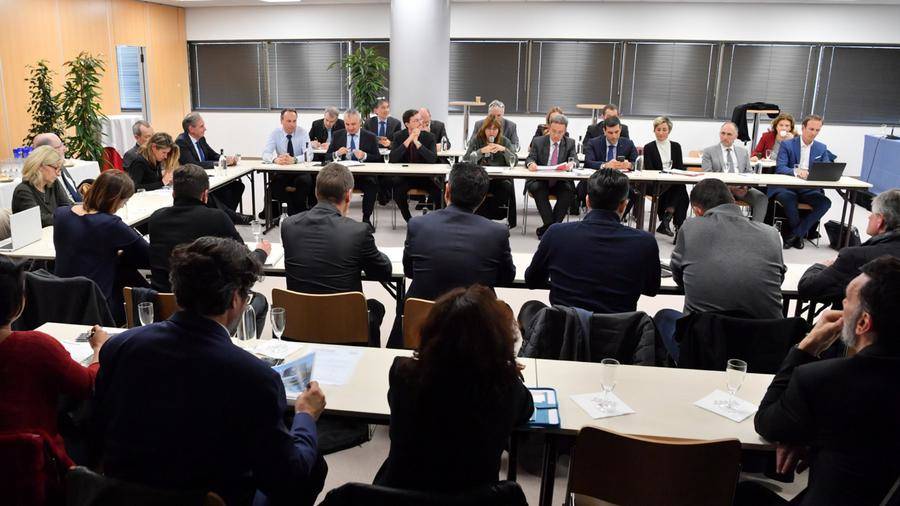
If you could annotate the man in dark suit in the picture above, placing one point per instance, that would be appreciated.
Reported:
(354, 143)
(826, 281)
(605, 151)
(383, 125)
(325, 251)
(188, 218)
(412, 145)
(597, 264)
(841, 415)
(177, 406)
(437, 128)
(322, 129)
(552, 150)
(142, 132)
(609, 111)
(194, 149)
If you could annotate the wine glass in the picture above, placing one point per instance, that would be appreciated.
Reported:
(256, 227)
(145, 313)
(335, 156)
(386, 155)
(513, 160)
(452, 160)
(667, 166)
(278, 321)
(608, 369)
(735, 371)
(572, 163)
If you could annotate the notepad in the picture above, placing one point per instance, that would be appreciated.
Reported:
(546, 408)
(79, 351)
(335, 366)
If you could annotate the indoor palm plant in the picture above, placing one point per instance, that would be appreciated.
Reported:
(365, 69)
(81, 106)
(44, 106)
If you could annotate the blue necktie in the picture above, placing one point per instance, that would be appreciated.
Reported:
(382, 129)
(200, 152)
(352, 146)
(610, 153)
(76, 197)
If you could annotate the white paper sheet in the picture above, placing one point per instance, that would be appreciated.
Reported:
(335, 366)
(545, 168)
(588, 403)
(79, 351)
(495, 170)
(740, 412)
(277, 349)
(584, 172)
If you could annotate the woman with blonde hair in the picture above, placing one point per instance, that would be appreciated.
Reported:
(39, 187)
(783, 129)
(112, 262)
(157, 161)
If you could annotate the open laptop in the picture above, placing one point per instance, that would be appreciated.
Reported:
(25, 228)
(825, 171)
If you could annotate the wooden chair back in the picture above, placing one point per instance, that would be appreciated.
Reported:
(695, 153)
(164, 308)
(620, 469)
(340, 318)
(415, 311)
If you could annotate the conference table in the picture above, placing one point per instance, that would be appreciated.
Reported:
(662, 398)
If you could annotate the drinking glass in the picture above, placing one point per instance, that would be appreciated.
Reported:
(608, 369)
(796, 170)
(145, 313)
(278, 321)
(256, 227)
(768, 154)
(667, 166)
(513, 160)
(246, 328)
(735, 372)
(335, 156)
(386, 156)
(573, 163)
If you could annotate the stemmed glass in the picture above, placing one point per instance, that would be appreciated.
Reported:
(256, 227)
(608, 369)
(278, 321)
(514, 159)
(386, 155)
(335, 156)
(667, 166)
(735, 372)
(145, 313)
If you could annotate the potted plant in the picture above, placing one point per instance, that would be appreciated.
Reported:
(81, 106)
(44, 106)
(365, 69)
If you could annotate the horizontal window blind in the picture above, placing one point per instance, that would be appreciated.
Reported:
(671, 78)
(564, 74)
(299, 75)
(128, 63)
(490, 70)
(859, 85)
(228, 75)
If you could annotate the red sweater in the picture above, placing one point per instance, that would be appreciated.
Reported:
(35, 370)
(766, 142)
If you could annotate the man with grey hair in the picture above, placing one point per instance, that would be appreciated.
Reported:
(552, 150)
(321, 130)
(826, 281)
(728, 157)
(65, 180)
(354, 143)
(142, 132)
(496, 108)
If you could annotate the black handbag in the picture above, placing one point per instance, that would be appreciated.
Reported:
(834, 229)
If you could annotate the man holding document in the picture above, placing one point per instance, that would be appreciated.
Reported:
(553, 151)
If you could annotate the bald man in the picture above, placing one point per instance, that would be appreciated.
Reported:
(437, 128)
(727, 157)
(66, 180)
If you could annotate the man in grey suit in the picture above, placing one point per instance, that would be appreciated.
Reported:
(497, 108)
(724, 262)
(726, 157)
(553, 149)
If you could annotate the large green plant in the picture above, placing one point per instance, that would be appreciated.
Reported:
(44, 106)
(81, 106)
(367, 80)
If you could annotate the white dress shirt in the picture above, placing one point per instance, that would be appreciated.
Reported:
(725, 155)
(355, 137)
(277, 145)
(665, 151)
(804, 154)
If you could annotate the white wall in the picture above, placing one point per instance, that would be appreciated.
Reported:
(245, 132)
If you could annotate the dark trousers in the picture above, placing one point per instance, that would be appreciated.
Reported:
(261, 309)
(376, 316)
(541, 190)
(789, 199)
(665, 324)
(315, 483)
(400, 185)
(297, 200)
(676, 197)
(230, 194)
(369, 186)
(501, 203)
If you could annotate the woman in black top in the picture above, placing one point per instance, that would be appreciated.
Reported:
(489, 148)
(663, 154)
(456, 402)
(153, 169)
(39, 186)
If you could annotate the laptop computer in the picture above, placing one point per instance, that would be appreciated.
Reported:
(825, 171)
(25, 228)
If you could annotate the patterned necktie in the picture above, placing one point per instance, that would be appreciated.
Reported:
(352, 146)
(554, 155)
(611, 152)
(729, 161)
(290, 147)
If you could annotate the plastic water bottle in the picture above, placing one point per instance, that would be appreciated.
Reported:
(578, 146)
(284, 215)
(444, 143)
(223, 162)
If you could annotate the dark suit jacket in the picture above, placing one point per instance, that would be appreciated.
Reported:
(827, 284)
(131, 155)
(597, 131)
(146, 175)
(393, 126)
(451, 247)
(186, 220)
(427, 153)
(652, 160)
(325, 252)
(595, 154)
(587, 265)
(539, 151)
(178, 406)
(365, 141)
(188, 154)
(848, 411)
(441, 447)
(439, 130)
(318, 132)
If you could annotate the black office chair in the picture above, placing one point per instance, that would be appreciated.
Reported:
(502, 493)
(87, 488)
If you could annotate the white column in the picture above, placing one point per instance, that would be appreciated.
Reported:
(420, 56)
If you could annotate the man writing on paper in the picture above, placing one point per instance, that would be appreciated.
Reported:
(553, 150)
(728, 158)
(322, 129)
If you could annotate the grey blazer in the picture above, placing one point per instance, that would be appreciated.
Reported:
(509, 131)
(713, 161)
(539, 151)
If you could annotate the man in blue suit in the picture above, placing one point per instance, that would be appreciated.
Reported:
(604, 152)
(177, 406)
(801, 152)
(597, 264)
